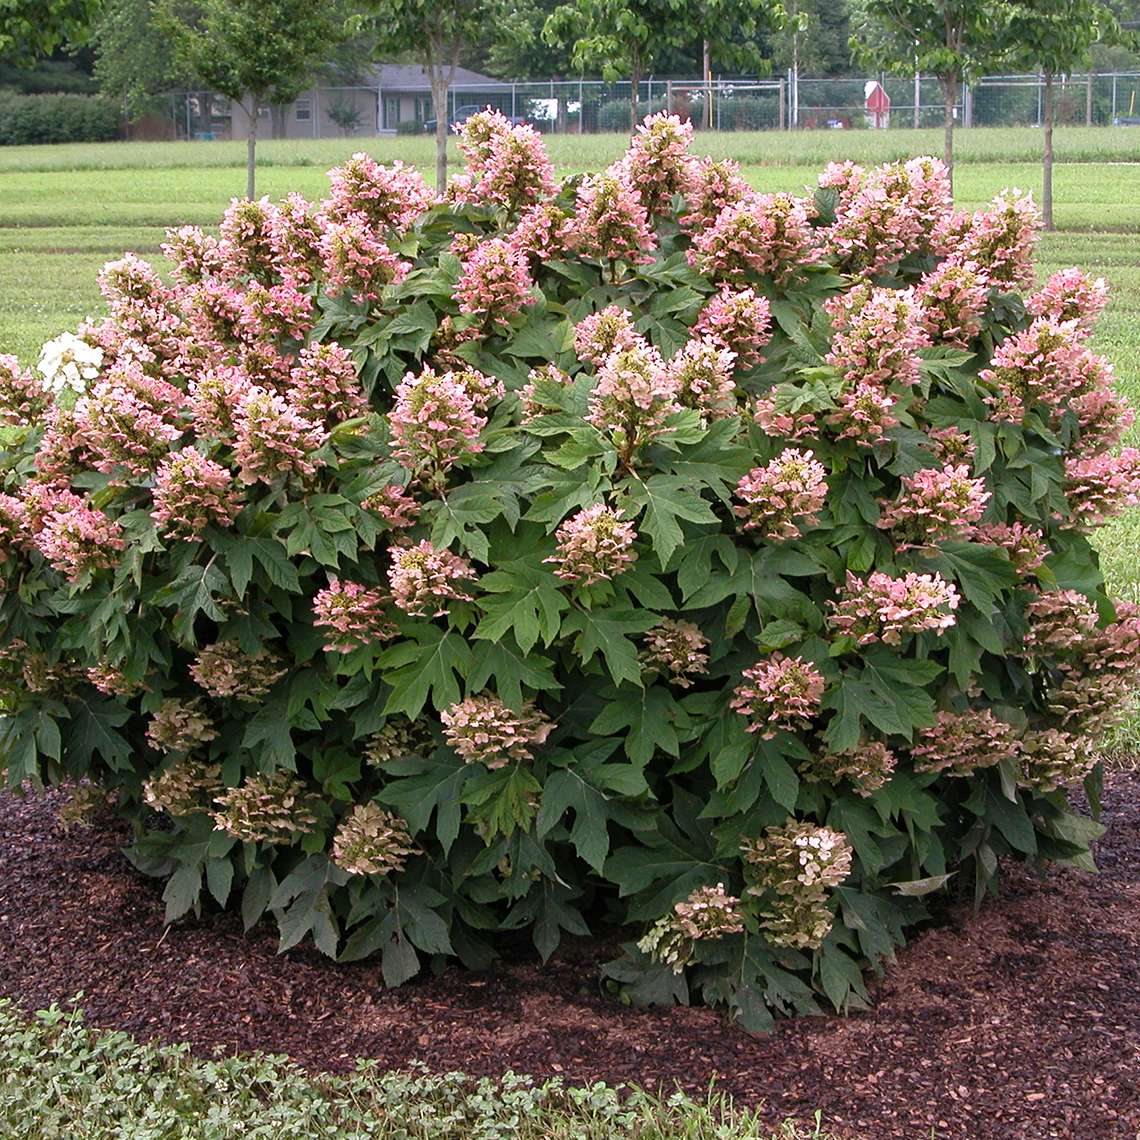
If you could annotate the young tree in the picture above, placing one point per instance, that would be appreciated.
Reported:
(435, 32)
(628, 38)
(950, 39)
(1055, 37)
(33, 28)
(257, 52)
(346, 115)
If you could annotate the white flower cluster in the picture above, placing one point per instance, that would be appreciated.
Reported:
(68, 363)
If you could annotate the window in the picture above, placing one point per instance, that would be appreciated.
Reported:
(304, 110)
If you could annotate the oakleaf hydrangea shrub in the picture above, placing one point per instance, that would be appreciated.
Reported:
(630, 552)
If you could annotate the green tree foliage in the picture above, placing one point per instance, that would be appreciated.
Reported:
(628, 40)
(33, 28)
(135, 56)
(256, 52)
(435, 33)
(518, 49)
(955, 40)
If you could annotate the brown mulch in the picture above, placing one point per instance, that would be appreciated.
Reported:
(1017, 1024)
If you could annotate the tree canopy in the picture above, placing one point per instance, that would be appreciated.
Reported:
(33, 28)
(630, 39)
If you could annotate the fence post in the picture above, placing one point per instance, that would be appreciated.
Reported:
(783, 116)
(967, 106)
(706, 79)
(1039, 86)
(514, 111)
(1089, 99)
(668, 96)
(1114, 98)
(581, 108)
(316, 114)
(917, 99)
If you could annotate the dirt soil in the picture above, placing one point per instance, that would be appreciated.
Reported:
(1020, 1023)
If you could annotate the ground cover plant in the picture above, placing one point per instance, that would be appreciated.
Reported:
(60, 1078)
(636, 551)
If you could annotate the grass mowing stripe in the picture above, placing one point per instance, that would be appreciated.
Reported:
(782, 148)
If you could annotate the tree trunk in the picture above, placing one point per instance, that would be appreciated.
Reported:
(949, 98)
(439, 102)
(251, 147)
(562, 110)
(1047, 164)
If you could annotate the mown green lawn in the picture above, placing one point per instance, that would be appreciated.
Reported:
(65, 210)
(769, 148)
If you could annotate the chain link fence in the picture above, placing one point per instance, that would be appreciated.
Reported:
(592, 106)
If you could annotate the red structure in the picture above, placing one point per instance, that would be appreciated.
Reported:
(878, 104)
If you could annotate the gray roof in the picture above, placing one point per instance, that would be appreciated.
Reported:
(411, 77)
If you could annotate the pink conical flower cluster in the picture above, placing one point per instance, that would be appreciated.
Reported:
(878, 333)
(1070, 295)
(386, 197)
(352, 615)
(781, 498)
(483, 729)
(960, 743)
(191, 493)
(953, 300)
(702, 374)
(882, 608)
(634, 397)
(713, 185)
(423, 579)
(611, 223)
(507, 165)
(594, 546)
(495, 284)
(77, 539)
(657, 162)
(435, 421)
(780, 693)
(886, 213)
(766, 235)
(935, 504)
(738, 320)
(601, 334)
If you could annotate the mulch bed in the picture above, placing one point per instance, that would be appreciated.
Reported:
(1020, 1023)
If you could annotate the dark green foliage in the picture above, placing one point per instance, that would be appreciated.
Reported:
(30, 119)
